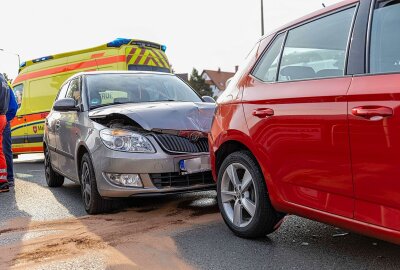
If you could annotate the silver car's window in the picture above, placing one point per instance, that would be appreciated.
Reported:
(74, 91)
(107, 89)
(63, 91)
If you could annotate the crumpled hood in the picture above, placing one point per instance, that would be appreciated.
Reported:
(164, 115)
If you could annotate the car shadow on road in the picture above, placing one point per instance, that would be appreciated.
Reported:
(14, 227)
(298, 244)
(32, 172)
(69, 194)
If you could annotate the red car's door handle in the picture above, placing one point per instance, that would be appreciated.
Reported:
(263, 112)
(372, 112)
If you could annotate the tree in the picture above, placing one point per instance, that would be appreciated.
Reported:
(199, 84)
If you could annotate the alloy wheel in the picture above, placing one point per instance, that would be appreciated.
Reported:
(238, 195)
(86, 187)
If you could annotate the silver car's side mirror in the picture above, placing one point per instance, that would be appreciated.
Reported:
(208, 99)
(65, 105)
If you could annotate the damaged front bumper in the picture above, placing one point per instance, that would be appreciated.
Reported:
(160, 172)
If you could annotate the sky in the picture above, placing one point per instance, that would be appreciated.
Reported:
(206, 34)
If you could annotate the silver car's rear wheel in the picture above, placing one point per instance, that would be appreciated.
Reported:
(53, 179)
(238, 194)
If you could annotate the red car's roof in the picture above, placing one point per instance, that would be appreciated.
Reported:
(316, 14)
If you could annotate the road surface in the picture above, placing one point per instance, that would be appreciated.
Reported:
(43, 228)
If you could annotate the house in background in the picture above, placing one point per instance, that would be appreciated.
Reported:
(183, 76)
(217, 80)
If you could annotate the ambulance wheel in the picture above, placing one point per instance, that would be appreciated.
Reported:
(94, 203)
(53, 178)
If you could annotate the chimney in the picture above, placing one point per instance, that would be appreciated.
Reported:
(219, 69)
(236, 68)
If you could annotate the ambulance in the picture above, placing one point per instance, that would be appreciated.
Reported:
(39, 80)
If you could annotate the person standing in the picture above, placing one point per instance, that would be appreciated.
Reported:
(4, 101)
(7, 142)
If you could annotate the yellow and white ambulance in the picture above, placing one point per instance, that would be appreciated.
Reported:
(39, 80)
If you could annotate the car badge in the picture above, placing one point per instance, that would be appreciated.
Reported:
(195, 136)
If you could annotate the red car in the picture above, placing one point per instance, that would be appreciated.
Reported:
(310, 125)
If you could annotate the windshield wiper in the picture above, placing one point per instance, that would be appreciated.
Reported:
(162, 100)
(118, 103)
(110, 104)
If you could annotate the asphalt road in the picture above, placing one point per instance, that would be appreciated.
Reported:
(298, 244)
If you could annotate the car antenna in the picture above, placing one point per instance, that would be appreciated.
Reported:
(323, 5)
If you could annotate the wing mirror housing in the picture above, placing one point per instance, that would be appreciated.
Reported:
(65, 105)
(208, 99)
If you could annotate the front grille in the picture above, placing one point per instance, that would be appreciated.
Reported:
(175, 180)
(172, 143)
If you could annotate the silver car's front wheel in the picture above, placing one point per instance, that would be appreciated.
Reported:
(94, 203)
(86, 189)
(238, 194)
(243, 198)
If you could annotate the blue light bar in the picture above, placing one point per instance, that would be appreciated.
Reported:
(118, 42)
(163, 48)
(41, 59)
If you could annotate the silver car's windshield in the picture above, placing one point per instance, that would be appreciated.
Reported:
(108, 89)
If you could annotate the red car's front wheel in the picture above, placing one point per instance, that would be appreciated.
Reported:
(243, 198)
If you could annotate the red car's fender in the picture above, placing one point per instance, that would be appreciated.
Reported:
(238, 133)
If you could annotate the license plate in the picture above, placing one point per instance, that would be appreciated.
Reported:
(195, 165)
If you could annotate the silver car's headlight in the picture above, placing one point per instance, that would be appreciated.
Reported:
(126, 141)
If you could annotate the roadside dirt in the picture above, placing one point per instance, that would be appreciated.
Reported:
(136, 238)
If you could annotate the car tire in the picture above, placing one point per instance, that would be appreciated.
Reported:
(246, 207)
(92, 200)
(53, 179)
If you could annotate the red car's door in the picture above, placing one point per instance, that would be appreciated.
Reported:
(298, 118)
(374, 120)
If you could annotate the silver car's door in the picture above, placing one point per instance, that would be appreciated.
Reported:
(68, 132)
(52, 129)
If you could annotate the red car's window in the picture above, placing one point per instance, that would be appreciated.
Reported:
(317, 49)
(385, 38)
(266, 70)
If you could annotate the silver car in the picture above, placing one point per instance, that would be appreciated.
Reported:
(124, 134)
